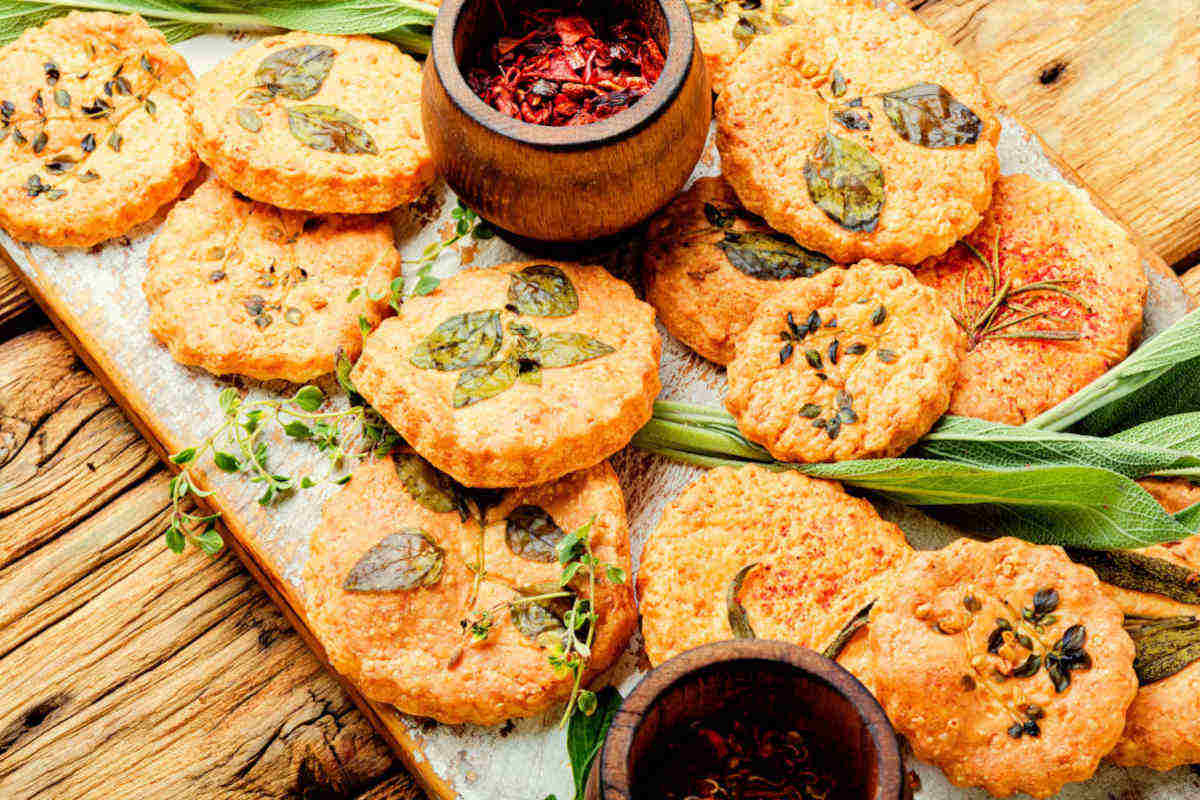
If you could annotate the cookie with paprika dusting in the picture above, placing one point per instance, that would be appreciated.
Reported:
(1002, 663)
(1049, 293)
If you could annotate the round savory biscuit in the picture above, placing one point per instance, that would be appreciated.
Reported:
(854, 363)
(724, 28)
(708, 263)
(799, 557)
(93, 131)
(1049, 292)
(407, 646)
(517, 374)
(1004, 664)
(860, 133)
(317, 123)
(241, 287)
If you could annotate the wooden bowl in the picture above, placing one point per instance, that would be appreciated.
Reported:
(755, 673)
(565, 184)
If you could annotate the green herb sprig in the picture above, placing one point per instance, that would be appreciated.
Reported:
(466, 223)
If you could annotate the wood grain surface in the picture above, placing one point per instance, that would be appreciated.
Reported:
(128, 672)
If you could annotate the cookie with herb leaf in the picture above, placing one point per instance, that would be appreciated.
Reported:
(1049, 293)
(750, 552)
(860, 133)
(93, 131)
(709, 263)
(395, 593)
(724, 28)
(854, 363)
(239, 287)
(317, 123)
(517, 374)
(1004, 664)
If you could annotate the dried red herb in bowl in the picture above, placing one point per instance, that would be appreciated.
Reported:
(572, 65)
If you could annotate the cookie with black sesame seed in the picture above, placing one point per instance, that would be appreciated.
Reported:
(853, 363)
(93, 131)
(238, 287)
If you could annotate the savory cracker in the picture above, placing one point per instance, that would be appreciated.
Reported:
(1004, 664)
(517, 374)
(774, 555)
(392, 590)
(93, 132)
(318, 123)
(709, 263)
(854, 363)
(725, 28)
(860, 133)
(238, 287)
(1049, 292)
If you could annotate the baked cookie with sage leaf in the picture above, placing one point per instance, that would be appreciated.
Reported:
(1049, 293)
(239, 287)
(854, 363)
(317, 123)
(860, 133)
(724, 28)
(751, 552)
(93, 130)
(708, 263)
(452, 604)
(517, 374)
(1003, 663)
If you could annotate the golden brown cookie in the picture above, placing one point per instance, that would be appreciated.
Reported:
(854, 363)
(776, 554)
(709, 263)
(318, 123)
(391, 577)
(241, 287)
(1004, 664)
(93, 131)
(517, 374)
(1050, 298)
(724, 28)
(860, 133)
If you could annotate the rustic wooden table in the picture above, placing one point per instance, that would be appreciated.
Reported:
(126, 671)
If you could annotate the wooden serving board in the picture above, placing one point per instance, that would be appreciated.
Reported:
(94, 297)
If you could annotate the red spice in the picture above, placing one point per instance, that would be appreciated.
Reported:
(567, 66)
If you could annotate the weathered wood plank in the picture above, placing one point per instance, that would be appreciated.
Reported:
(14, 300)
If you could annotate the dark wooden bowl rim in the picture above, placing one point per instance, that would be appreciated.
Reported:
(614, 772)
(680, 49)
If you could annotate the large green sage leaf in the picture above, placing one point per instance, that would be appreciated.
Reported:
(567, 349)
(330, 129)
(1142, 573)
(476, 384)
(1164, 646)
(925, 114)
(297, 72)
(585, 736)
(772, 256)
(739, 620)
(464, 340)
(542, 290)
(846, 182)
(532, 534)
(401, 562)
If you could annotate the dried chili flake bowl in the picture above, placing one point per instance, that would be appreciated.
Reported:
(565, 121)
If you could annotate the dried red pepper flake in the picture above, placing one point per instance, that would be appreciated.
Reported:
(567, 66)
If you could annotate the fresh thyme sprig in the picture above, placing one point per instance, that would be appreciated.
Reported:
(466, 223)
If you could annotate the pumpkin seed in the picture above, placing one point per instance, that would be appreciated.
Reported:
(401, 562)
(249, 120)
(846, 182)
(296, 72)
(293, 315)
(330, 129)
(542, 290)
(464, 340)
(739, 622)
(63, 98)
(926, 114)
(532, 534)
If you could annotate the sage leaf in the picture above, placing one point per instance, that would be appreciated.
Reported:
(532, 534)
(772, 256)
(925, 114)
(542, 290)
(857, 623)
(330, 129)
(401, 562)
(1142, 573)
(586, 734)
(566, 349)
(846, 182)
(476, 384)
(430, 487)
(464, 340)
(296, 72)
(541, 620)
(1176, 432)
(707, 10)
(739, 621)
(1164, 646)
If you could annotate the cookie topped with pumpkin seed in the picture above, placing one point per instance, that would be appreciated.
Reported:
(860, 133)
(724, 28)
(853, 363)
(239, 287)
(449, 604)
(316, 123)
(708, 263)
(517, 374)
(93, 131)
(1004, 664)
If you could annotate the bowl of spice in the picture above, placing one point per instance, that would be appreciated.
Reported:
(749, 719)
(565, 121)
